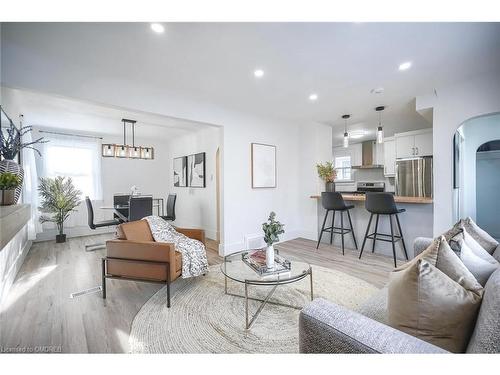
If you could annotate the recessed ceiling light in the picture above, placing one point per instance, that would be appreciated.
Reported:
(378, 90)
(405, 65)
(313, 97)
(259, 73)
(158, 28)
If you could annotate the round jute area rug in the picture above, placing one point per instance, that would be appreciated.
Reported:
(203, 319)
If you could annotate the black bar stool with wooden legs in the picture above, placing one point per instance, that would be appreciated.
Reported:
(383, 204)
(334, 202)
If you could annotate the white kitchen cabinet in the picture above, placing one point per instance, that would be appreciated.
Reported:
(379, 154)
(405, 146)
(389, 157)
(356, 151)
(414, 143)
(423, 144)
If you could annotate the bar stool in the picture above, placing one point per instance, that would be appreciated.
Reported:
(383, 204)
(334, 202)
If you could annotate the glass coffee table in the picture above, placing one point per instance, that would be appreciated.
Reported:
(234, 268)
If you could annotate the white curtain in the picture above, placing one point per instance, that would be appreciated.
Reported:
(78, 158)
(30, 186)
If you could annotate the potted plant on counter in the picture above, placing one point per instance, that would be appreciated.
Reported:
(8, 184)
(59, 198)
(272, 229)
(328, 174)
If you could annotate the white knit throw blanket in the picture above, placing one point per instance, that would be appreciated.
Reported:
(194, 255)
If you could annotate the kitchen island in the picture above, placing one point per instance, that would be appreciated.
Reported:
(417, 221)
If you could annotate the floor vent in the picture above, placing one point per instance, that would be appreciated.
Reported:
(86, 291)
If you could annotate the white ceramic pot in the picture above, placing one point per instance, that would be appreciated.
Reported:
(270, 256)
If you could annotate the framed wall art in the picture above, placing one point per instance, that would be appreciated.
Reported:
(263, 166)
(196, 170)
(180, 171)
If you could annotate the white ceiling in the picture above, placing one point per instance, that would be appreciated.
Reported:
(214, 62)
(53, 112)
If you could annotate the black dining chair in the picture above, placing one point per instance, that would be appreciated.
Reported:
(333, 201)
(93, 225)
(140, 207)
(383, 204)
(170, 208)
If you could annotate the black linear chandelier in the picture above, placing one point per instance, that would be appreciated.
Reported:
(112, 150)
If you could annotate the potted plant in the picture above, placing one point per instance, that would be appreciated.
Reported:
(8, 184)
(11, 143)
(272, 229)
(328, 174)
(59, 198)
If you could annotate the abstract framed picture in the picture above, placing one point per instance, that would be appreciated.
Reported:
(196, 170)
(263, 166)
(180, 171)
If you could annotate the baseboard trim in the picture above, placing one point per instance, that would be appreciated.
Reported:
(79, 231)
(227, 249)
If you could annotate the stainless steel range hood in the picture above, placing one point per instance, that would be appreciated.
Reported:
(368, 156)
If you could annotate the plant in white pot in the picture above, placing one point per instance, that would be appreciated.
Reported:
(11, 144)
(59, 199)
(8, 184)
(327, 173)
(272, 229)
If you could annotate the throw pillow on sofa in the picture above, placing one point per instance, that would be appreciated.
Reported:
(483, 238)
(477, 260)
(435, 298)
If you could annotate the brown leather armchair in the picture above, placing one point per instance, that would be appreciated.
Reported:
(134, 255)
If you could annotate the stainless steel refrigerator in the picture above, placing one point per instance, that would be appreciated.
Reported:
(414, 177)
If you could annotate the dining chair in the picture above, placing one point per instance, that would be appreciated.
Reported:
(172, 198)
(93, 225)
(140, 207)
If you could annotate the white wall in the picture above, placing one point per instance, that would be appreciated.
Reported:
(196, 207)
(314, 146)
(454, 105)
(476, 132)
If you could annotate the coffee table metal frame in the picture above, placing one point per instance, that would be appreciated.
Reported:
(249, 320)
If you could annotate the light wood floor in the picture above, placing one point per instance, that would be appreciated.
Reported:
(39, 312)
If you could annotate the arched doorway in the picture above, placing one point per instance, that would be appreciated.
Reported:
(472, 142)
(487, 187)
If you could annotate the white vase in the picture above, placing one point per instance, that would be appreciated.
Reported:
(270, 256)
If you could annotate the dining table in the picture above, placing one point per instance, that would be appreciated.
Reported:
(116, 211)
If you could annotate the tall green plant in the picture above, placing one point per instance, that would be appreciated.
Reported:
(272, 229)
(59, 198)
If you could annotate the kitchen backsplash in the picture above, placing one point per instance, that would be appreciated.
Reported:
(368, 175)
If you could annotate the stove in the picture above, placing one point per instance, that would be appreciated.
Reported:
(364, 187)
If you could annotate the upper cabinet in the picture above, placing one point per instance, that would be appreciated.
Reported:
(414, 143)
(423, 144)
(389, 157)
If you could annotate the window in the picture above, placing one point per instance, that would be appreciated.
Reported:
(343, 168)
(78, 158)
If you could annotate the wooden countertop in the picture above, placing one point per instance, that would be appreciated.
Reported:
(12, 220)
(398, 199)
